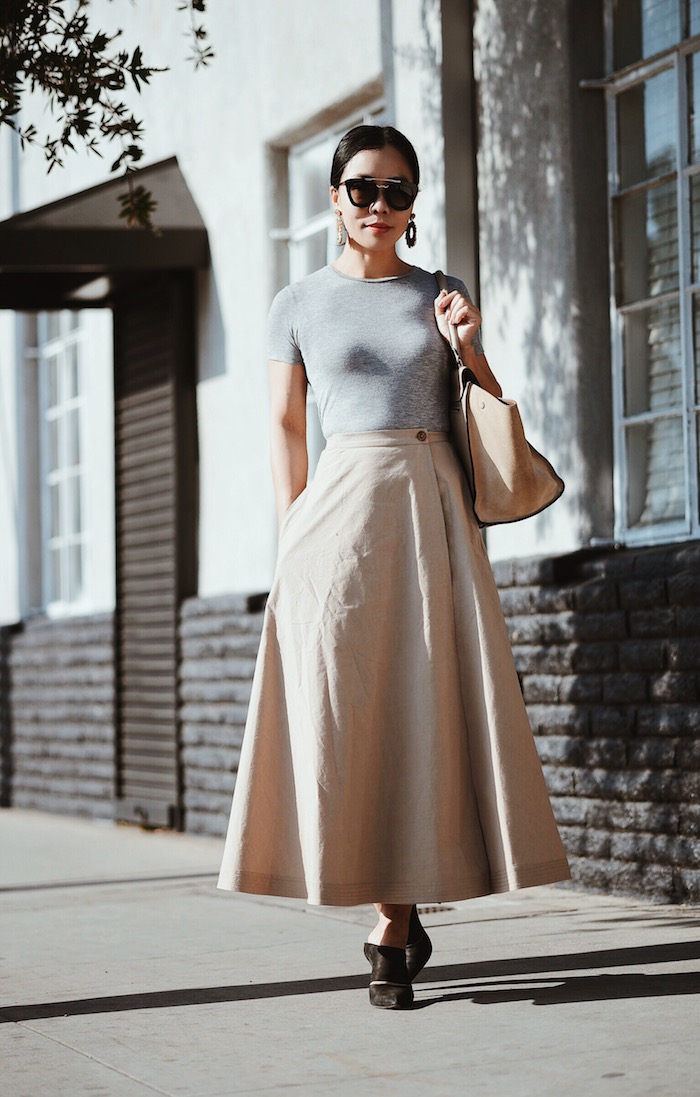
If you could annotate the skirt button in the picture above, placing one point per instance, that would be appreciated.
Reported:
(421, 436)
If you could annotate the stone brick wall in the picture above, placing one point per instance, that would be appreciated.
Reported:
(608, 652)
(219, 640)
(61, 713)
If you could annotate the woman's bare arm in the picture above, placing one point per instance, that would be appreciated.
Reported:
(482, 371)
(288, 454)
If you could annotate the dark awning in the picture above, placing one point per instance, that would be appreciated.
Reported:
(76, 253)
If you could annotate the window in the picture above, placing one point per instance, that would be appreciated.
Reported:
(311, 235)
(70, 505)
(61, 393)
(654, 149)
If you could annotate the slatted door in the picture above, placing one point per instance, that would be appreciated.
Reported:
(156, 476)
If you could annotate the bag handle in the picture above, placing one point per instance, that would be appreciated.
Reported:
(468, 375)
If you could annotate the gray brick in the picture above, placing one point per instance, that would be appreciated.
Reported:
(515, 600)
(210, 757)
(688, 754)
(683, 654)
(598, 596)
(572, 810)
(206, 822)
(658, 785)
(535, 659)
(540, 687)
(503, 572)
(621, 689)
(215, 735)
(687, 885)
(560, 750)
(636, 816)
(611, 753)
(580, 688)
(675, 720)
(551, 599)
(686, 558)
(684, 589)
(657, 849)
(525, 630)
(657, 622)
(204, 800)
(673, 686)
(642, 593)
(651, 753)
(585, 842)
(688, 621)
(533, 570)
(641, 655)
(592, 657)
(228, 690)
(210, 781)
(600, 626)
(607, 721)
(689, 824)
(560, 780)
(690, 787)
(558, 719)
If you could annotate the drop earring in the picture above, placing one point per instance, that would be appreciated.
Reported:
(411, 232)
(340, 239)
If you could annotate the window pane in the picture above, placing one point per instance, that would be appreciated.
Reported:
(53, 325)
(73, 517)
(652, 341)
(55, 497)
(648, 242)
(75, 571)
(696, 342)
(656, 472)
(694, 19)
(52, 381)
(72, 428)
(644, 27)
(71, 371)
(54, 452)
(694, 107)
(647, 129)
(56, 592)
(309, 254)
(309, 182)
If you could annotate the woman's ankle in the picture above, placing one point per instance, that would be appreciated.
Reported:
(392, 926)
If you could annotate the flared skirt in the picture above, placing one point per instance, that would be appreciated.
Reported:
(387, 755)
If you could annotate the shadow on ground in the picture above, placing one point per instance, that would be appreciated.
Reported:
(555, 991)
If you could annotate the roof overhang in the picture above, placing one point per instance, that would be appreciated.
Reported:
(77, 253)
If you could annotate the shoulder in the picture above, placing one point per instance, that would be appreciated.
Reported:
(426, 280)
(297, 294)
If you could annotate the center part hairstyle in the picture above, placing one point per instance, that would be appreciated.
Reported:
(360, 138)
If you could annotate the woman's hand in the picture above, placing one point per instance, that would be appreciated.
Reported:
(454, 308)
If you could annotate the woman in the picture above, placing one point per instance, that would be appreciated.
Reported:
(387, 755)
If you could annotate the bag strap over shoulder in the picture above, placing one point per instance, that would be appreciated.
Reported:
(468, 375)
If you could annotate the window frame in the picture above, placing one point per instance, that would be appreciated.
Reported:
(675, 59)
(62, 542)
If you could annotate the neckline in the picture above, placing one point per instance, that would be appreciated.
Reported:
(370, 281)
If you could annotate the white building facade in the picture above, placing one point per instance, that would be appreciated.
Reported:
(137, 529)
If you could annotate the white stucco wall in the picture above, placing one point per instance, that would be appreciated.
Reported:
(277, 66)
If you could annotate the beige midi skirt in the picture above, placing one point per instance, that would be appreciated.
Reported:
(387, 755)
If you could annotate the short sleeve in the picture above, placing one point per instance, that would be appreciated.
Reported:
(282, 338)
(455, 283)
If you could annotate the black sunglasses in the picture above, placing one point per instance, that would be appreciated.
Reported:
(399, 193)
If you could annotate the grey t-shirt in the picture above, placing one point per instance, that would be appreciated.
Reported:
(371, 348)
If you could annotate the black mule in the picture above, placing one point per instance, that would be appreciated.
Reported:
(419, 948)
(390, 986)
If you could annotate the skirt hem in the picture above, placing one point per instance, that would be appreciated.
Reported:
(552, 872)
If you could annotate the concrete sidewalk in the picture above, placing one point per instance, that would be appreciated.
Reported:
(125, 973)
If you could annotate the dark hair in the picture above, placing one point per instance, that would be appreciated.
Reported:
(360, 138)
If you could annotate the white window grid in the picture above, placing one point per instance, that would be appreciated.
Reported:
(62, 402)
(674, 60)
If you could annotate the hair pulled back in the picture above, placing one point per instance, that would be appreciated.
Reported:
(360, 138)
